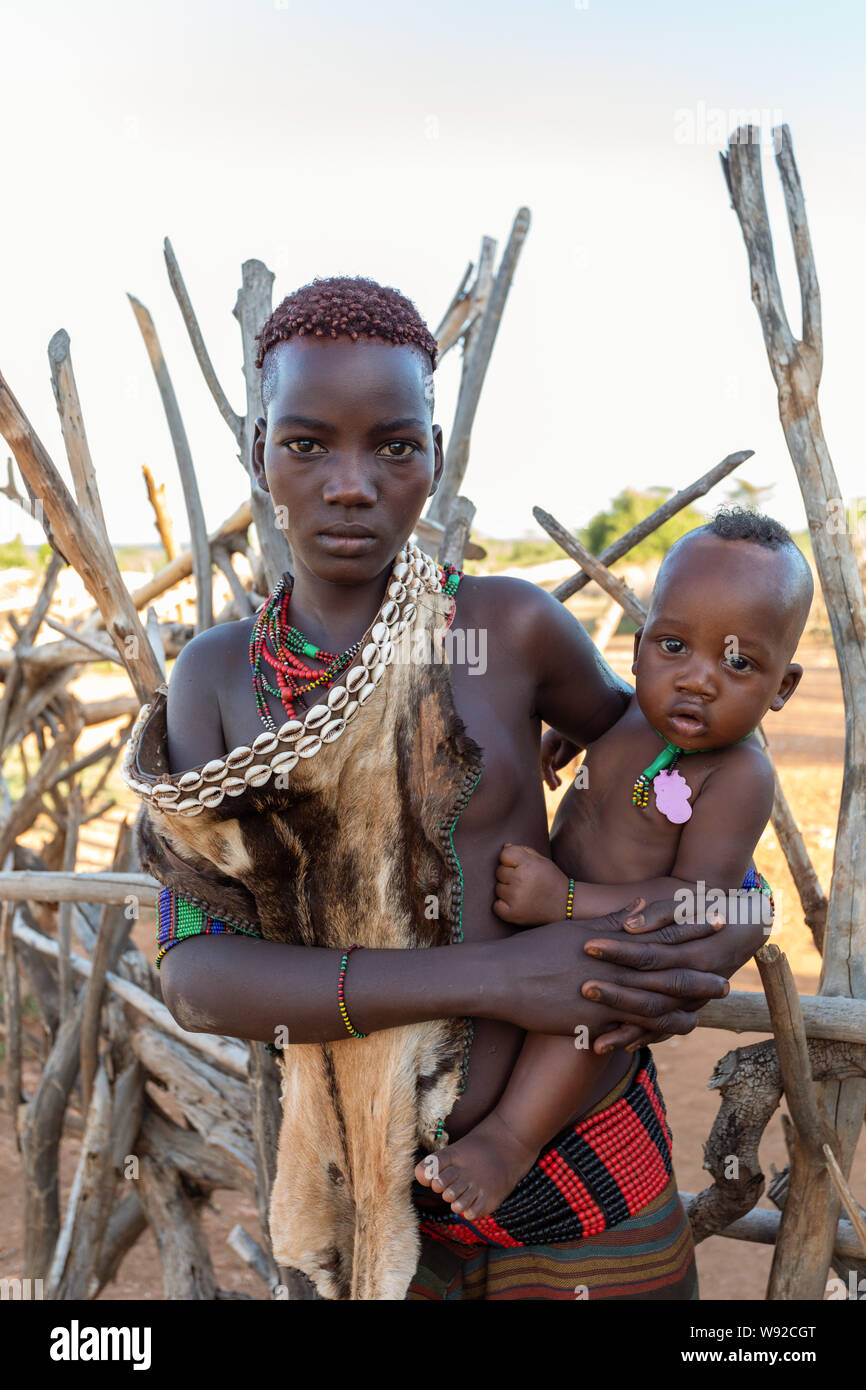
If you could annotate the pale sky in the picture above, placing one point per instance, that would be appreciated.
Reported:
(385, 140)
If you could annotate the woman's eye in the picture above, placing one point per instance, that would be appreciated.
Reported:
(399, 444)
(672, 645)
(304, 447)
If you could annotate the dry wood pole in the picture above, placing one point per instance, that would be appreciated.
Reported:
(201, 562)
(802, 1253)
(162, 517)
(252, 308)
(479, 336)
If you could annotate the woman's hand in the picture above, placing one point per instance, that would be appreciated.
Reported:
(538, 977)
(530, 889)
(663, 944)
(556, 752)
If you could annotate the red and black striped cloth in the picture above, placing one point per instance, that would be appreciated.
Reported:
(596, 1174)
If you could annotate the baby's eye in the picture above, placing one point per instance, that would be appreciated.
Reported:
(304, 447)
(672, 645)
(399, 444)
(746, 665)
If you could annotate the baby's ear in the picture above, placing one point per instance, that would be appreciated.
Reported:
(790, 681)
(638, 635)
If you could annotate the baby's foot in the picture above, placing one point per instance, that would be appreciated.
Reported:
(476, 1173)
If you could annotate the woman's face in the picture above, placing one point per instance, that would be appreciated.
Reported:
(348, 452)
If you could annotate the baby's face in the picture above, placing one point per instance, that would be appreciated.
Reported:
(714, 654)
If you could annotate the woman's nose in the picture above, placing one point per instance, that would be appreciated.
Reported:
(349, 484)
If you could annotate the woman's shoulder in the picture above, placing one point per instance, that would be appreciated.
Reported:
(504, 595)
(193, 715)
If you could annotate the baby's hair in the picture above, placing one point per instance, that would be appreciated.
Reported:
(343, 306)
(738, 524)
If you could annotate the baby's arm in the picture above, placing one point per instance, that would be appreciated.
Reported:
(715, 846)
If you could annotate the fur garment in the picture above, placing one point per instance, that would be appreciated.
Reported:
(353, 845)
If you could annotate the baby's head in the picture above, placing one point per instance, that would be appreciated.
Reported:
(729, 604)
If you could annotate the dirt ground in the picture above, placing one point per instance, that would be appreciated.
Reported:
(807, 739)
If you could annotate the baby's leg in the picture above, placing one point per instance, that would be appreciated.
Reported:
(476, 1173)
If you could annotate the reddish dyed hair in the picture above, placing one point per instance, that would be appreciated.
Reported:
(344, 306)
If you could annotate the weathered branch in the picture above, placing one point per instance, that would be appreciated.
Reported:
(232, 419)
(201, 563)
(623, 544)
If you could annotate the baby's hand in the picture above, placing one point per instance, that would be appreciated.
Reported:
(530, 890)
(556, 752)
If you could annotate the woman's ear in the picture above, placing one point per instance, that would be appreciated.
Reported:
(258, 453)
(790, 681)
(438, 457)
(638, 635)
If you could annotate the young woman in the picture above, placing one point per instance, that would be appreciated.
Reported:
(350, 455)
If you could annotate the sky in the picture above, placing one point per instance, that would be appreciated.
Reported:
(386, 140)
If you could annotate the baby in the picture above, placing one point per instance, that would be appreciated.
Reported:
(676, 792)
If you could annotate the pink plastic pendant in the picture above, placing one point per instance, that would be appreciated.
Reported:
(672, 794)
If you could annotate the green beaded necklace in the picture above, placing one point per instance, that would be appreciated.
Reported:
(668, 759)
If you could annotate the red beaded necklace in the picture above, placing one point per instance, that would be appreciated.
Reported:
(287, 646)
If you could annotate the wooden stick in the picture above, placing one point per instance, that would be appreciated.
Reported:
(26, 639)
(623, 544)
(91, 1197)
(232, 419)
(162, 516)
(792, 1050)
(74, 433)
(456, 535)
(761, 1227)
(595, 568)
(241, 597)
(201, 563)
(180, 567)
(846, 1196)
(40, 1140)
(104, 887)
(214, 1102)
(187, 1272)
(475, 370)
(252, 308)
(835, 1017)
(64, 916)
(81, 544)
(252, 1254)
(11, 1014)
(802, 1255)
(111, 938)
(224, 1051)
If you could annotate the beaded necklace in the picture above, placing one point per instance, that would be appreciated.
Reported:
(275, 643)
(671, 790)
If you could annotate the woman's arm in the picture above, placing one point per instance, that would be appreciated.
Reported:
(249, 989)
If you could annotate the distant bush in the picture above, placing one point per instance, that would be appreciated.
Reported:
(625, 511)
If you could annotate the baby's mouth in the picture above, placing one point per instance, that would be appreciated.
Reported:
(687, 723)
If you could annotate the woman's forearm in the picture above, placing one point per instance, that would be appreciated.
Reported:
(267, 991)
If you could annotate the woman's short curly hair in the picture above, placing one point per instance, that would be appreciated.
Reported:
(343, 306)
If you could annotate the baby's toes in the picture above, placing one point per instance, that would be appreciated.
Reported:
(456, 1188)
(479, 1207)
(425, 1171)
(465, 1199)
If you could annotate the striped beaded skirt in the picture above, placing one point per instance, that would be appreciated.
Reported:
(597, 1216)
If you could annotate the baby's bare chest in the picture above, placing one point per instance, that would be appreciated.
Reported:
(599, 835)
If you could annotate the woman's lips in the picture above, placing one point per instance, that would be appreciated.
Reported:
(346, 545)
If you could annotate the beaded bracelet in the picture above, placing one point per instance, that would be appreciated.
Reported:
(341, 992)
(569, 906)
